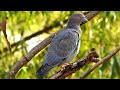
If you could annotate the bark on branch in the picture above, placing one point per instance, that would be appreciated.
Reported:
(100, 62)
(91, 57)
(68, 70)
(46, 29)
(39, 47)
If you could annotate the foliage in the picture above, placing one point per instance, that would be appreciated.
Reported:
(102, 33)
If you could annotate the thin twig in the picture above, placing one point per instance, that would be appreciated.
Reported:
(39, 47)
(46, 29)
(100, 62)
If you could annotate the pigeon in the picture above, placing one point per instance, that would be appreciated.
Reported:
(64, 46)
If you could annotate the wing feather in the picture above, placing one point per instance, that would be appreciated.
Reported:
(61, 47)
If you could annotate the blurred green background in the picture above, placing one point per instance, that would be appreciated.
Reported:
(31, 27)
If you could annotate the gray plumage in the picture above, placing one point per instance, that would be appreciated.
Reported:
(64, 46)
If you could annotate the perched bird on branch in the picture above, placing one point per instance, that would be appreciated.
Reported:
(64, 46)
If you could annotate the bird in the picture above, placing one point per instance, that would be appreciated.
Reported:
(64, 46)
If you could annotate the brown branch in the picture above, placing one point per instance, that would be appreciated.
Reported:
(46, 29)
(89, 15)
(100, 62)
(68, 70)
(39, 47)
(3, 28)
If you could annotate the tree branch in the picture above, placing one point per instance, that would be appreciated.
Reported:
(39, 47)
(100, 62)
(68, 70)
(46, 29)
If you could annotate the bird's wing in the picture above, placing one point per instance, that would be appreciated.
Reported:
(61, 47)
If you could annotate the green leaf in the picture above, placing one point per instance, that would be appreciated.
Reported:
(100, 73)
(115, 68)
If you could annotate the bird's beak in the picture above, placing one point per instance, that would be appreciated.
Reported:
(85, 19)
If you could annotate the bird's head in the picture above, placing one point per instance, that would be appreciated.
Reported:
(77, 19)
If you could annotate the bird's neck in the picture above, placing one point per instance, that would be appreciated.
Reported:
(73, 25)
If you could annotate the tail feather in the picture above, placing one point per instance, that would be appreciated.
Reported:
(42, 73)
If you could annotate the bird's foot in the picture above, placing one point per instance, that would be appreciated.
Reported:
(63, 66)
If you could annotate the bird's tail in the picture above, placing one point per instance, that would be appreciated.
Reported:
(42, 73)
